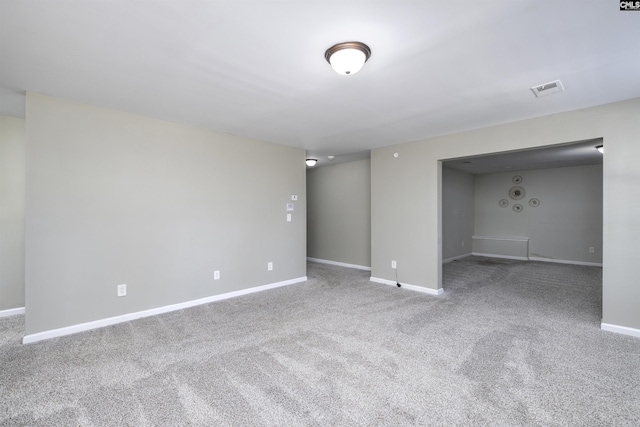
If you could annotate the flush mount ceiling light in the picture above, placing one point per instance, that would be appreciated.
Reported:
(311, 162)
(348, 57)
(600, 148)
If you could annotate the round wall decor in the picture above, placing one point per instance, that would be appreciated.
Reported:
(517, 208)
(534, 203)
(516, 193)
(503, 203)
(517, 179)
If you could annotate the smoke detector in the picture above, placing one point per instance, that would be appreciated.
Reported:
(547, 88)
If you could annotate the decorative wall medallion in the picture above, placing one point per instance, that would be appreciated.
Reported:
(517, 208)
(503, 203)
(517, 179)
(516, 193)
(534, 203)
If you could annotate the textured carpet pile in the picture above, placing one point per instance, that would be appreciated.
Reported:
(509, 343)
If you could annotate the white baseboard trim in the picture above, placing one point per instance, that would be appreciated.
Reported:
(68, 330)
(503, 239)
(564, 261)
(620, 329)
(11, 312)
(539, 259)
(520, 258)
(341, 264)
(455, 258)
(408, 286)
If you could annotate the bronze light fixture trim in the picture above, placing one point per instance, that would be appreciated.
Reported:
(347, 58)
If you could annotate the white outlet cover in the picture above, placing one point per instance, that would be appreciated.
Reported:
(122, 290)
(269, 266)
(216, 275)
(288, 217)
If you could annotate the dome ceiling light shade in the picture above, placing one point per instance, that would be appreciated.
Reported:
(347, 58)
(311, 162)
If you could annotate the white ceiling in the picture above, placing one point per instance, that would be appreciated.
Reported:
(257, 68)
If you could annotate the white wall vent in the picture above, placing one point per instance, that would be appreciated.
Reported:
(547, 88)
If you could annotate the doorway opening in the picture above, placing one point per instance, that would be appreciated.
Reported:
(542, 204)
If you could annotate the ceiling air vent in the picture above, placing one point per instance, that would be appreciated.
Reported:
(547, 88)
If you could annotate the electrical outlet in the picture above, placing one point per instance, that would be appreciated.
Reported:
(592, 249)
(269, 266)
(394, 264)
(288, 217)
(122, 290)
(216, 275)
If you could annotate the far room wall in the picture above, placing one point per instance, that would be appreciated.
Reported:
(12, 194)
(565, 223)
(457, 213)
(339, 213)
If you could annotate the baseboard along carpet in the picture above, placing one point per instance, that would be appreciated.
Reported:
(509, 343)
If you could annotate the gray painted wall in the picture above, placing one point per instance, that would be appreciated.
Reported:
(12, 193)
(566, 223)
(457, 213)
(406, 196)
(339, 213)
(118, 198)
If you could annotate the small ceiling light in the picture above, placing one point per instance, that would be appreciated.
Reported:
(347, 58)
(311, 162)
(600, 148)
(331, 157)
